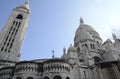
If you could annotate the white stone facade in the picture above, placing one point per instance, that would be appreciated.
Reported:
(12, 34)
(89, 58)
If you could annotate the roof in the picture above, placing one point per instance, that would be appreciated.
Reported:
(25, 6)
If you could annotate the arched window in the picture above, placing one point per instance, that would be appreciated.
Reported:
(98, 44)
(29, 78)
(19, 17)
(18, 78)
(78, 49)
(84, 73)
(86, 46)
(97, 59)
(57, 77)
(46, 77)
(92, 46)
(67, 78)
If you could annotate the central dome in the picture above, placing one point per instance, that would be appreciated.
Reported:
(85, 32)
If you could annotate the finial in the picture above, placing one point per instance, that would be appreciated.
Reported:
(27, 1)
(53, 56)
(70, 45)
(81, 20)
(114, 36)
(64, 50)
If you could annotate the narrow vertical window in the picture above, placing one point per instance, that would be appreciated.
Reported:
(86, 46)
(11, 45)
(84, 73)
(7, 44)
(12, 33)
(5, 50)
(10, 29)
(16, 23)
(14, 29)
(4, 43)
(13, 22)
(91, 46)
(78, 49)
(6, 38)
(19, 24)
(98, 43)
(17, 30)
(12, 40)
(2, 48)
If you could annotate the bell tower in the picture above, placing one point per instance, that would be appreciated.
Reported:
(13, 33)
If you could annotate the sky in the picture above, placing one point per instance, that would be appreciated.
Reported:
(53, 23)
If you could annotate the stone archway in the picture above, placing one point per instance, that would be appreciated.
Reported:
(18, 78)
(67, 78)
(29, 78)
(46, 77)
(57, 77)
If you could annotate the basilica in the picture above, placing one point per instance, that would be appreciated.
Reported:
(88, 58)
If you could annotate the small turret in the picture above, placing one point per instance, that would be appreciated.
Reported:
(110, 52)
(72, 55)
(64, 56)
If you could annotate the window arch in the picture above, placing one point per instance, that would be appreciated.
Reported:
(29, 78)
(93, 46)
(97, 59)
(18, 78)
(46, 77)
(19, 17)
(67, 78)
(57, 77)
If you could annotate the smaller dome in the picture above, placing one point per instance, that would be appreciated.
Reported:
(64, 56)
(72, 48)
